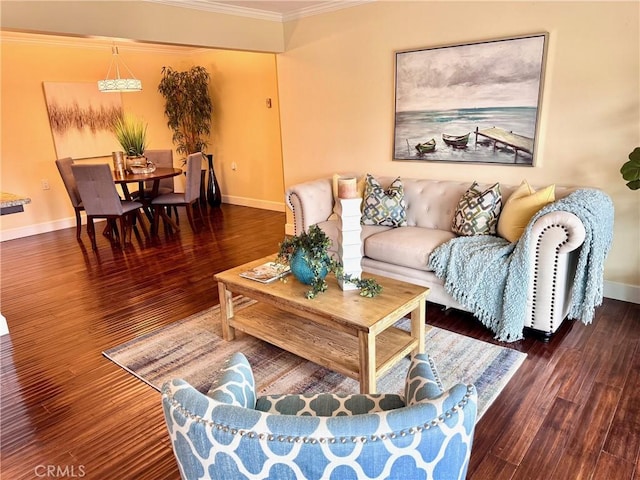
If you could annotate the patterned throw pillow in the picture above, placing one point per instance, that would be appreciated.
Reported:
(478, 211)
(384, 207)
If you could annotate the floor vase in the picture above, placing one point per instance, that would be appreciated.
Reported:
(214, 197)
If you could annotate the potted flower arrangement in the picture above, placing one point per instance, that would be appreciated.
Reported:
(131, 133)
(308, 257)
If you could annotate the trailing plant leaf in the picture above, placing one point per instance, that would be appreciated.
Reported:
(631, 170)
(368, 286)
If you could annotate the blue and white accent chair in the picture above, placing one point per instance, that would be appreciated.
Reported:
(230, 434)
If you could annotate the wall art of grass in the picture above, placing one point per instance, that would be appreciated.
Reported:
(63, 118)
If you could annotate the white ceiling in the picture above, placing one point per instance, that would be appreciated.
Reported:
(266, 9)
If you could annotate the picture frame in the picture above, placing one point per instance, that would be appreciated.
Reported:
(475, 102)
(81, 119)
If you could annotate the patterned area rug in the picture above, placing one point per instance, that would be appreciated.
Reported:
(193, 349)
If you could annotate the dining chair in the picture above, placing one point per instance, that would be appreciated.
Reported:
(64, 167)
(101, 200)
(162, 158)
(187, 199)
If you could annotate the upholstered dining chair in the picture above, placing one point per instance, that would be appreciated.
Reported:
(161, 159)
(229, 433)
(101, 200)
(64, 167)
(187, 199)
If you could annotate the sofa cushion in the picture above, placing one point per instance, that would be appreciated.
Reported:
(520, 207)
(406, 246)
(478, 211)
(384, 207)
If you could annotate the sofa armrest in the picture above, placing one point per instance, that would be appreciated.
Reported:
(310, 203)
(566, 227)
(556, 238)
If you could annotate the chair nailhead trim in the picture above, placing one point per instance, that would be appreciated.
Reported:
(281, 438)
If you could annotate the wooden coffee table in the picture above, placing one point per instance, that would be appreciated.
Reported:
(339, 330)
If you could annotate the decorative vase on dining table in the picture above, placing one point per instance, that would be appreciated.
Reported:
(139, 161)
(214, 197)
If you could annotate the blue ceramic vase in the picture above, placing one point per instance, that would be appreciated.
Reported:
(301, 269)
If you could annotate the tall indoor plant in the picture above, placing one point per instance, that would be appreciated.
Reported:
(189, 110)
(188, 107)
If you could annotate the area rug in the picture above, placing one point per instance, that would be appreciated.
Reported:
(193, 349)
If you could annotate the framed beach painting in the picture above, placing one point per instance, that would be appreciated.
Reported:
(81, 119)
(471, 103)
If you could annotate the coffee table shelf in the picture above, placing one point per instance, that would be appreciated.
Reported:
(333, 349)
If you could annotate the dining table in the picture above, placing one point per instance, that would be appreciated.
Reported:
(127, 177)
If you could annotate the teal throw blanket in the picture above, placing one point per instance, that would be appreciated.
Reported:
(489, 275)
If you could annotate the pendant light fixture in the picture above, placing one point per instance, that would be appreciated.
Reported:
(117, 84)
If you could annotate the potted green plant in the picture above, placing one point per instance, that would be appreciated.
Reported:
(631, 170)
(308, 256)
(188, 107)
(131, 133)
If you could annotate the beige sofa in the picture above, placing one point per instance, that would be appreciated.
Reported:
(402, 253)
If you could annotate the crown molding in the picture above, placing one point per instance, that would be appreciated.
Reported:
(217, 7)
(97, 43)
(330, 6)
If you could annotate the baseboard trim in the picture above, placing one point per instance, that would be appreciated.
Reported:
(252, 202)
(70, 222)
(622, 291)
(46, 227)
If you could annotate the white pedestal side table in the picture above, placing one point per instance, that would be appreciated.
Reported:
(349, 241)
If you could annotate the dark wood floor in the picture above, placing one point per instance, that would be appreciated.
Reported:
(571, 412)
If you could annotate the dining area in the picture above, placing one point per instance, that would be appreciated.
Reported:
(92, 190)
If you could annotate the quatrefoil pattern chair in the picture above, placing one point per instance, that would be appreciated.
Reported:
(427, 433)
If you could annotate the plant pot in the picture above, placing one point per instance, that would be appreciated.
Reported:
(139, 161)
(301, 269)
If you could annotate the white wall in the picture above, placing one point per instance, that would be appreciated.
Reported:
(336, 81)
(143, 21)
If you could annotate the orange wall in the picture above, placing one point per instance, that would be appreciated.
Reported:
(244, 130)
